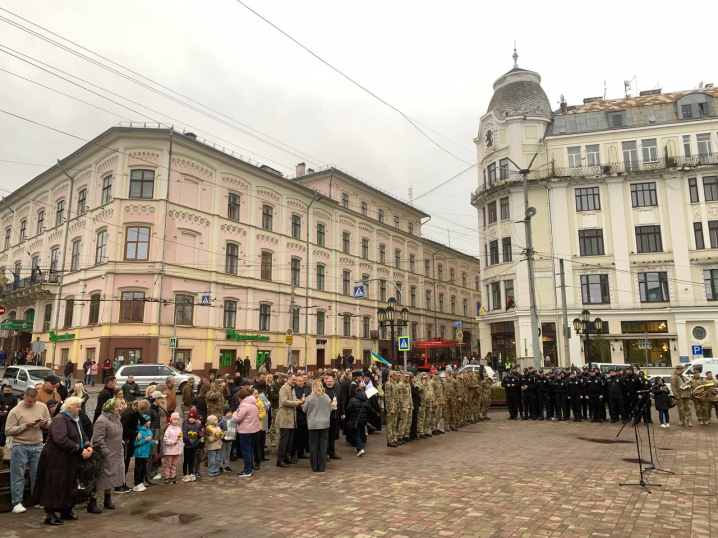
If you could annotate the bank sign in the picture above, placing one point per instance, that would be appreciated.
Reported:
(232, 335)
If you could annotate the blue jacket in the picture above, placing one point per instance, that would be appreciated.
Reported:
(142, 446)
(189, 441)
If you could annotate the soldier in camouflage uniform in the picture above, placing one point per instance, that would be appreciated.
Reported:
(391, 402)
(426, 392)
(406, 406)
(464, 400)
(475, 398)
(451, 398)
(438, 406)
(273, 393)
(712, 397)
(485, 397)
(701, 404)
(683, 396)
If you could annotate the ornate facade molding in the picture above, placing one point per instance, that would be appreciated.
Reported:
(77, 225)
(232, 229)
(59, 190)
(83, 177)
(269, 194)
(367, 266)
(268, 239)
(174, 214)
(193, 166)
(296, 204)
(36, 244)
(109, 162)
(102, 215)
(148, 209)
(321, 254)
(365, 228)
(293, 245)
(321, 214)
(55, 235)
(382, 235)
(145, 156)
(346, 261)
(348, 222)
(237, 181)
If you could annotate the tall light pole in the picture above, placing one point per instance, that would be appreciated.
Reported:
(316, 198)
(585, 327)
(390, 316)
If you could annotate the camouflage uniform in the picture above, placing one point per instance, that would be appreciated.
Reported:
(683, 398)
(451, 395)
(485, 398)
(475, 398)
(437, 412)
(273, 393)
(712, 401)
(426, 391)
(701, 404)
(405, 416)
(391, 401)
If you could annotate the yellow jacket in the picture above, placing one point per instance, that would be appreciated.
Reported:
(262, 412)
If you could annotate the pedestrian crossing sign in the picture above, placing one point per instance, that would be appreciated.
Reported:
(404, 343)
(360, 292)
(206, 300)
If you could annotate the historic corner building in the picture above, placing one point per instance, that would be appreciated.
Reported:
(626, 194)
(169, 237)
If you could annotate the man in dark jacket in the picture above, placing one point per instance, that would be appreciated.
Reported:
(331, 390)
(7, 402)
(574, 391)
(247, 366)
(68, 371)
(616, 404)
(131, 390)
(511, 386)
(344, 398)
(301, 434)
(594, 390)
(107, 393)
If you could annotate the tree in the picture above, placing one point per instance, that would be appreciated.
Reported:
(600, 349)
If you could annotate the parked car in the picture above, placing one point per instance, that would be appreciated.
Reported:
(605, 367)
(153, 374)
(493, 376)
(666, 380)
(21, 378)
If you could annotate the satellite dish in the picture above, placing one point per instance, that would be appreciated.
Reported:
(563, 99)
(652, 118)
(531, 212)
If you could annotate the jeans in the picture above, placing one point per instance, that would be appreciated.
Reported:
(213, 457)
(92, 380)
(246, 447)
(358, 438)
(663, 416)
(225, 453)
(22, 456)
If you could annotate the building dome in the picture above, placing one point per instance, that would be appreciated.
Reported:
(519, 93)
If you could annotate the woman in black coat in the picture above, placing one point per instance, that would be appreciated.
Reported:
(415, 403)
(67, 445)
(357, 415)
(130, 419)
(662, 399)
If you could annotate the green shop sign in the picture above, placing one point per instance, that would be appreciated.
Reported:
(57, 337)
(232, 335)
(16, 325)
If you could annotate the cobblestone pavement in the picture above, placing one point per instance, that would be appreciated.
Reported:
(491, 479)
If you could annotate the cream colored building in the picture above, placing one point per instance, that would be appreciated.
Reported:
(626, 193)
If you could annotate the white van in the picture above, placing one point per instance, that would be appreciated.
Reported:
(702, 366)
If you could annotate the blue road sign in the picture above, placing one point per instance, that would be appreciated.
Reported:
(697, 350)
(206, 300)
(684, 358)
(458, 324)
(173, 343)
(404, 343)
(360, 292)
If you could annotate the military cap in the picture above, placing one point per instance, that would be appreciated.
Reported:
(541, 371)
(424, 375)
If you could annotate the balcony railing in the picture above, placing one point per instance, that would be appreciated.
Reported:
(25, 283)
(604, 170)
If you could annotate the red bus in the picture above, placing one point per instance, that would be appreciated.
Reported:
(427, 353)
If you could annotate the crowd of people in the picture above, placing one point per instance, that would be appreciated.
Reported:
(20, 357)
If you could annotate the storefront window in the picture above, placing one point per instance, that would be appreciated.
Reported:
(650, 352)
(548, 337)
(628, 327)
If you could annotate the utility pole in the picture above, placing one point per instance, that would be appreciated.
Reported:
(316, 198)
(564, 312)
(162, 267)
(291, 316)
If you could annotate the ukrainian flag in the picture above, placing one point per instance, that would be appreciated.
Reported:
(379, 358)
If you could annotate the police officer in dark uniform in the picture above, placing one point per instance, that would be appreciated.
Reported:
(543, 391)
(594, 391)
(552, 393)
(529, 388)
(574, 389)
(616, 388)
(634, 384)
(559, 387)
(581, 376)
(511, 385)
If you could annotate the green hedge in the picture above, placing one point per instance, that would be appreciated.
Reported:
(498, 393)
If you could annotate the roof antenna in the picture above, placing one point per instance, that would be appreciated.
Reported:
(515, 56)
(604, 89)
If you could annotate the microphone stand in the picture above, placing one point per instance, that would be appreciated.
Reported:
(652, 467)
(642, 481)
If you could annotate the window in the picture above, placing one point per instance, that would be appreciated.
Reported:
(643, 194)
(94, 309)
(142, 184)
(442, 331)
(710, 188)
(40, 222)
(320, 277)
(653, 287)
(650, 150)
(492, 212)
(648, 239)
(365, 327)
(508, 291)
(453, 304)
(704, 147)
(345, 201)
(504, 169)
(476, 283)
(506, 249)
(54, 257)
(132, 307)
(397, 258)
(630, 155)
(687, 111)
(441, 272)
(346, 282)
(101, 247)
(396, 221)
(267, 217)
(8, 233)
(364, 209)
(429, 331)
(590, 242)
(347, 322)
(410, 228)
(233, 205)
(321, 235)
(320, 322)
(441, 302)
(494, 252)
(428, 300)
(137, 243)
(75, 259)
(504, 204)
(617, 120)
(710, 278)
(412, 296)
(593, 157)
(231, 264)
(687, 145)
(296, 227)
(496, 295)
(82, 202)
(588, 199)
(295, 319)
(693, 190)
(266, 266)
(702, 109)
(59, 211)
(295, 271)
(346, 242)
(594, 289)
(698, 232)
(265, 315)
(452, 275)
(574, 157)
(230, 314)
(382, 291)
(23, 230)
(184, 309)
(47, 318)
(380, 214)
(69, 311)
(382, 254)
(427, 267)
(713, 233)
(414, 330)
(365, 248)
(106, 189)
(412, 263)
(465, 306)
(35, 265)
(492, 173)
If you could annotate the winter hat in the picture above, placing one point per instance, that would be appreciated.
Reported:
(174, 416)
(144, 418)
(211, 419)
(193, 414)
(226, 409)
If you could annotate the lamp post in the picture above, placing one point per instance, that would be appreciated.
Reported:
(585, 327)
(389, 316)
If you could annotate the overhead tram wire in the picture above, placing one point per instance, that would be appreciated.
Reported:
(452, 178)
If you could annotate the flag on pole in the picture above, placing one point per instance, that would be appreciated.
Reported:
(480, 309)
(379, 358)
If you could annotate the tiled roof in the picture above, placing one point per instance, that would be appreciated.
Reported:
(630, 102)
(521, 97)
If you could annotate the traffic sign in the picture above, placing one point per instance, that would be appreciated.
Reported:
(173, 343)
(404, 343)
(697, 350)
(290, 332)
(206, 300)
(2, 310)
(360, 292)
(684, 358)
(459, 335)
(289, 339)
(458, 324)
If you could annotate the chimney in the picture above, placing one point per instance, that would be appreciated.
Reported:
(191, 135)
(301, 167)
(649, 92)
(564, 104)
(310, 170)
(709, 85)
(591, 100)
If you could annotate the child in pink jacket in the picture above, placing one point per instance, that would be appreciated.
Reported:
(247, 419)
(172, 447)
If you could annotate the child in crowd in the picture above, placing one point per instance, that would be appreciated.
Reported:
(191, 436)
(143, 443)
(213, 443)
(172, 447)
(230, 434)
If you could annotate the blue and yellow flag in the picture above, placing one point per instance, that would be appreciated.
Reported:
(379, 358)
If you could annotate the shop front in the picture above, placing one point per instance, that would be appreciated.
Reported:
(503, 342)
(548, 341)
(646, 343)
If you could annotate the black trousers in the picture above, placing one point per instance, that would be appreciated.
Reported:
(561, 406)
(333, 433)
(286, 438)
(140, 466)
(576, 407)
(584, 406)
(617, 407)
(301, 440)
(188, 463)
(597, 407)
(318, 441)
(533, 400)
(544, 400)
(526, 409)
(513, 400)
(413, 433)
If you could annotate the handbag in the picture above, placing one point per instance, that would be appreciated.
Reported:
(671, 401)
(88, 471)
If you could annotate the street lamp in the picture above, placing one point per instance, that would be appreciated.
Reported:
(386, 317)
(584, 326)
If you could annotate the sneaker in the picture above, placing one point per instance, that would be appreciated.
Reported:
(244, 475)
(18, 509)
(213, 474)
(198, 475)
(186, 478)
(139, 487)
(668, 425)
(123, 489)
(157, 477)
(228, 469)
(192, 478)
(663, 425)
(360, 453)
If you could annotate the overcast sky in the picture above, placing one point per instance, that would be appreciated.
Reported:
(434, 61)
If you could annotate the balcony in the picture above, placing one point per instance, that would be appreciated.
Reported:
(28, 290)
(604, 170)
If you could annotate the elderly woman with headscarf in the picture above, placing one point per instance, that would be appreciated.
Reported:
(107, 437)
(66, 447)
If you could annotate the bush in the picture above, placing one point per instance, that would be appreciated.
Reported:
(498, 394)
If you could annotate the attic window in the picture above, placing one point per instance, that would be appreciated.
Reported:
(617, 120)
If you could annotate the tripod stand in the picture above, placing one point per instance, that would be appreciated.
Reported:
(649, 432)
(636, 414)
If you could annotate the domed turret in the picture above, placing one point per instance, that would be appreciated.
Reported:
(519, 93)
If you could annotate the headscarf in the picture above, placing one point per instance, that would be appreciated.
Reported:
(109, 406)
